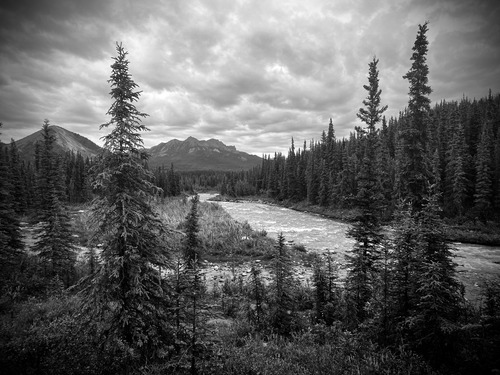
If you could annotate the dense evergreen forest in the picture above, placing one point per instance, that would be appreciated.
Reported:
(103, 272)
(460, 147)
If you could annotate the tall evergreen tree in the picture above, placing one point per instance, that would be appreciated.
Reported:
(366, 231)
(497, 174)
(413, 135)
(16, 170)
(283, 287)
(406, 242)
(312, 175)
(324, 179)
(54, 243)
(194, 287)
(326, 295)
(191, 246)
(455, 168)
(257, 295)
(439, 294)
(385, 168)
(484, 184)
(127, 295)
(11, 244)
(371, 115)
(291, 179)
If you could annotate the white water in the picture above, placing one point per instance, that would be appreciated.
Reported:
(318, 233)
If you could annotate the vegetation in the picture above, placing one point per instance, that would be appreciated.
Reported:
(142, 296)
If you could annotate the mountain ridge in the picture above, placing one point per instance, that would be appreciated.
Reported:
(201, 155)
(188, 155)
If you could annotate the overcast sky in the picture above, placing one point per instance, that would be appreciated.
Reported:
(252, 74)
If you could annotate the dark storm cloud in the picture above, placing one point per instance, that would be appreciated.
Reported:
(253, 74)
(42, 26)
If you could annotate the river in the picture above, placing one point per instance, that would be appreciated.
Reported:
(315, 232)
(318, 234)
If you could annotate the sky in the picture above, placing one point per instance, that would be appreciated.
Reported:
(252, 74)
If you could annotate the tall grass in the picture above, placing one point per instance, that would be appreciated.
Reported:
(221, 236)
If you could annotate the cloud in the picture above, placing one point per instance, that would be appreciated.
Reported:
(253, 74)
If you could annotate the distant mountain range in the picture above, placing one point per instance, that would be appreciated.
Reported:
(188, 155)
(192, 154)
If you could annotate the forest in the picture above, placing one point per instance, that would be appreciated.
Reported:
(104, 262)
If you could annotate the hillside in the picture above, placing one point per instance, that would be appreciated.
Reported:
(65, 141)
(195, 155)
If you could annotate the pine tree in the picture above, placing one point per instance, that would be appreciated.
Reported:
(372, 114)
(312, 175)
(16, 170)
(54, 243)
(326, 296)
(455, 168)
(384, 287)
(127, 295)
(439, 294)
(11, 244)
(283, 316)
(385, 168)
(366, 231)
(497, 174)
(257, 295)
(484, 186)
(193, 294)
(301, 174)
(320, 288)
(291, 180)
(413, 134)
(323, 191)
(406, 244)
(191, 247)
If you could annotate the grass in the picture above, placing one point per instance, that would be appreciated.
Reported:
(222, 237)
(474, 232)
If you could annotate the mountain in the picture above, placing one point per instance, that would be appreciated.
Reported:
(65, 141)
(195, 155)
(188, 155)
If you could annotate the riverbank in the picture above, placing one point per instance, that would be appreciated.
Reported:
(466, 232)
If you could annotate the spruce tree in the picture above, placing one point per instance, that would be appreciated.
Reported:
(413, 134)
(283, 287)
(439, 294)
(257, 294)
(455, 168)
(16, 170)
(291, 179)
(325, 275)
(54, 243)
(385, 167)
(366, 231)
(320, 289)
(323, 191)
(484, 184)
(11, 244)
(127, 295)
(312, 175)
(191, 246)
(497, 175)
(406, 244)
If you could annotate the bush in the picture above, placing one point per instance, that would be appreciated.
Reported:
(323, 350)
(45, 337)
